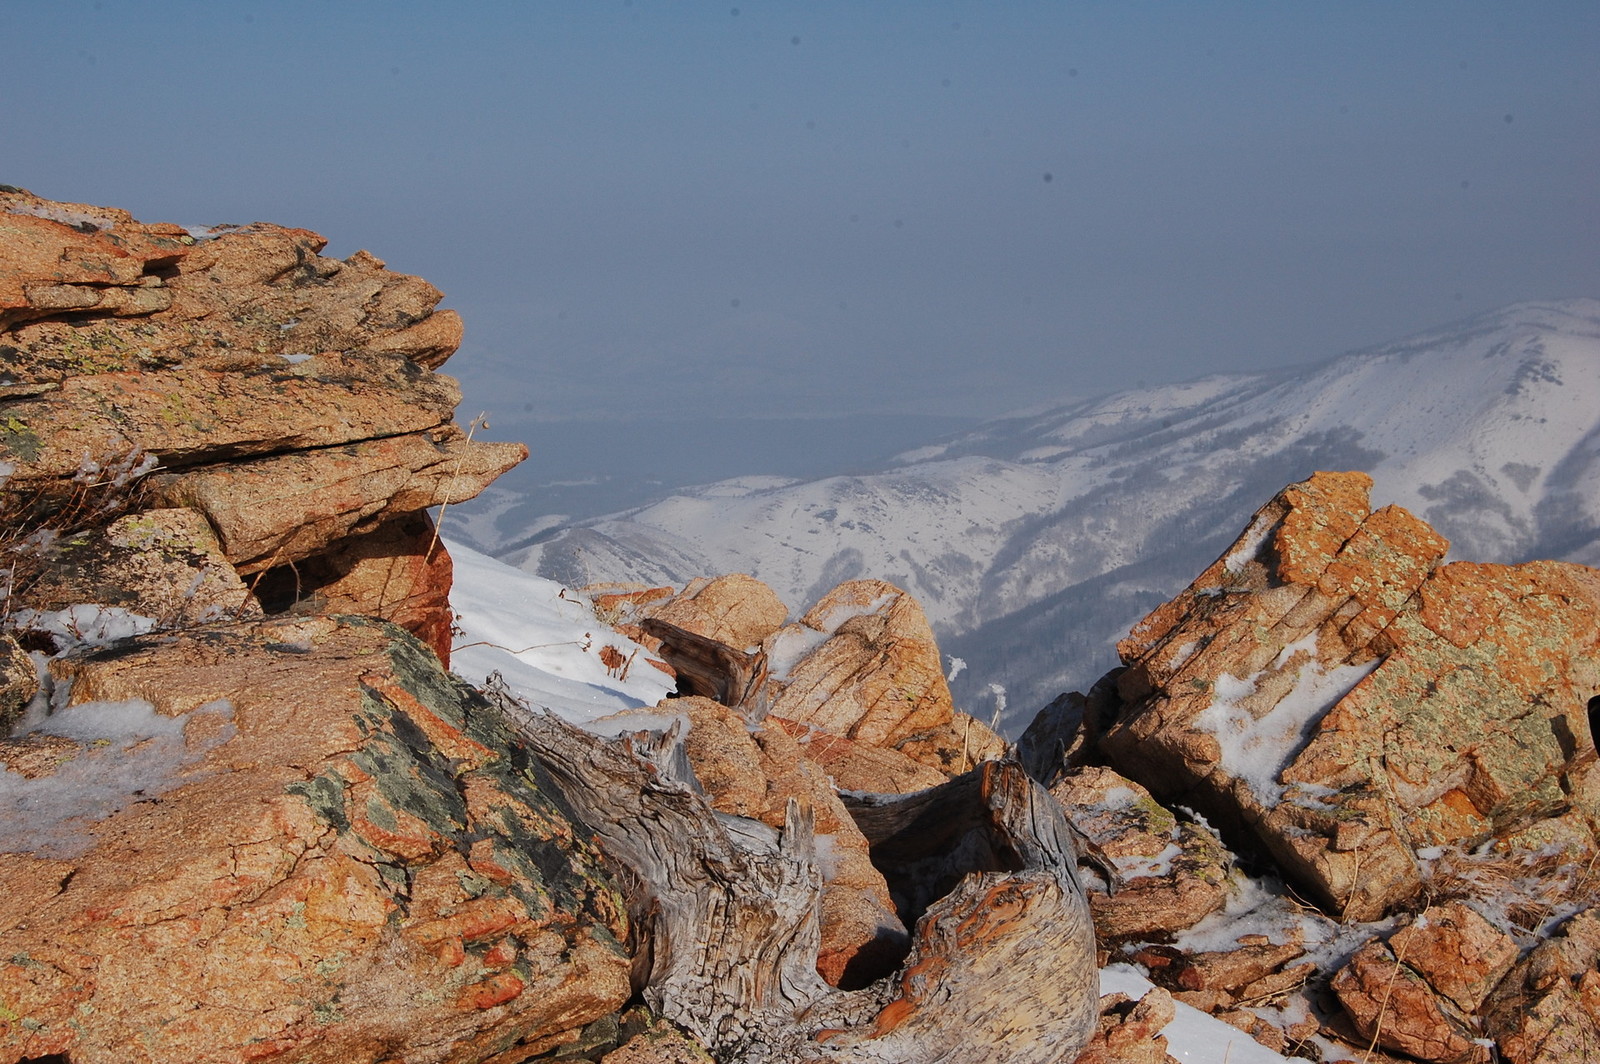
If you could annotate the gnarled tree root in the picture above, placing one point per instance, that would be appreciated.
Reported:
(725, 931)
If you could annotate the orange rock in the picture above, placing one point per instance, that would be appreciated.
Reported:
(279, 510)
(857, 766)
(1172, 874)
(1547, 1010)
(288, 397)
(1349, 701)
(495, 990)
(1129, 1032)
(876, 678)
(297, 879)
(1457, 951)
(400, 571)
(70, 257)
(1391, 1005)
(738, 611)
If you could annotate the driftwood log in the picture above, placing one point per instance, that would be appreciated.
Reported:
(724, 910)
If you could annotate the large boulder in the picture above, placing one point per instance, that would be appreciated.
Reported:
(861, 663)
(291, 839)
(1333, 691)
(856, 681)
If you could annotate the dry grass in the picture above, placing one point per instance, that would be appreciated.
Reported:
(36, 519)
(1527, 894)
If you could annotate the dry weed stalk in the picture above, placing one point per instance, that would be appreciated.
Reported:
(1388, 990)
(479, 422)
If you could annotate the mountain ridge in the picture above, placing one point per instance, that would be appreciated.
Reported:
(1052, 531)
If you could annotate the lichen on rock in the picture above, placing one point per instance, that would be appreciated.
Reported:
(365, 861)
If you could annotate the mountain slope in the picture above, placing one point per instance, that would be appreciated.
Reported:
(1034, 541)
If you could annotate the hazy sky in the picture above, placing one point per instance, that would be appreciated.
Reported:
(748, 207)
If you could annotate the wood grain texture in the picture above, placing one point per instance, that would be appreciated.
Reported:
(724, 908)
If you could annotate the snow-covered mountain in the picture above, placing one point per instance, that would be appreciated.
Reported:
(1034, 541)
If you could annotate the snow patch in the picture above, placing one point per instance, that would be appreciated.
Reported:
(85, 623)
(789, 646)
(1249, 546)
(828, 856)
(202, 233)
(544, 641)
(1137, 867)
(1258, 749)
(921, 454)
(844, 611)
(130, 754)
(638, 720)
(56, 213)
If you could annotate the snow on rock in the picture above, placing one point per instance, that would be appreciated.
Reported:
(1355, 701)
(122, 752)
(1192, 1036)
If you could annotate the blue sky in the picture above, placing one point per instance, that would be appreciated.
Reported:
(759, 208)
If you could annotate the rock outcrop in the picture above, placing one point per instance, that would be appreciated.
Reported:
(293, 838)
(287, 398)
(1362, 710)
(250, 817)
(255, 819)
(856, 681)
(1408, 742)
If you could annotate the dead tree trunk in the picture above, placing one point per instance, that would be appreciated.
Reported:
(725, 911)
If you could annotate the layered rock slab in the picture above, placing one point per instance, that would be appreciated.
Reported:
(288, 398)
(856, 680)
(1332, 689)
(338, 853)
(1167, 874)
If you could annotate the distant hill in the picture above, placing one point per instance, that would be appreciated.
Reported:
(1036, 540)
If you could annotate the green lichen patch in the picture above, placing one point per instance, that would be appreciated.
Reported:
(325, 794)
(409, 773)
(520, 844)
(19, 439)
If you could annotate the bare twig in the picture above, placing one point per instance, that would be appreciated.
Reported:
(1388, 990)
(580, 643)
(479, 422)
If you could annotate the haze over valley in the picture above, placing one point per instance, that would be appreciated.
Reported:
(1034, 541)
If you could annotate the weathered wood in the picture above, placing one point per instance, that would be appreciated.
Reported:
(1003, 967)
(725, 932)
(725, 911)
(706, 666)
